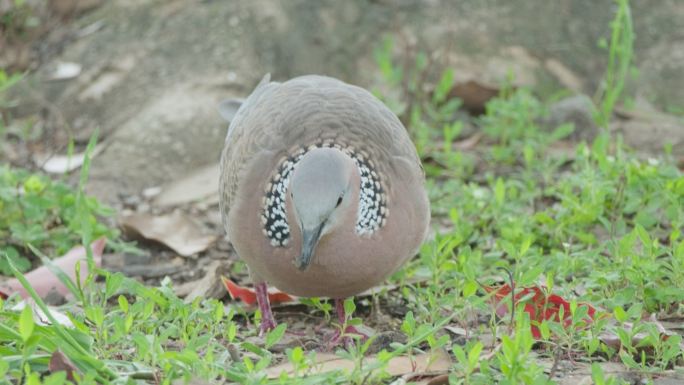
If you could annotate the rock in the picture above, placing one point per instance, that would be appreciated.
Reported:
(171, 136)
(660, 75)
(153, 74)
(565, 76)
(383, 340)
(578, 110)
(651, 134)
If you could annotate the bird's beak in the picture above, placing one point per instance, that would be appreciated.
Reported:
(310, 239)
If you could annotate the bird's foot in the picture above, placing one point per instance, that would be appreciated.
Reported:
(267, 324)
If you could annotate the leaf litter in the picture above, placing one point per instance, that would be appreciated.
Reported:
(176, 231)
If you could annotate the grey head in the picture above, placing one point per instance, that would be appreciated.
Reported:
(320, 189)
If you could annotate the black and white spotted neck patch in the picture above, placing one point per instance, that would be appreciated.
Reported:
(372, 209)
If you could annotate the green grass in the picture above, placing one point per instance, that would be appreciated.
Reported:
(44, 213)
(596, 224)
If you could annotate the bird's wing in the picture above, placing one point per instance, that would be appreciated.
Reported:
(247, 125)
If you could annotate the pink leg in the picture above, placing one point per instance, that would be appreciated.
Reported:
(267, 320)
(342, 317)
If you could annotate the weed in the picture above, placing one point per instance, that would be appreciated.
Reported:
(598, 224)
(46, 214)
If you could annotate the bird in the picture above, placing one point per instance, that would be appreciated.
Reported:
(321, 191)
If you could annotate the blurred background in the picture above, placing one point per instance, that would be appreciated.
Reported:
(148, 76)
(551, 135)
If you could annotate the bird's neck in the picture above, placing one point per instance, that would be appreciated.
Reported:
(369, 197)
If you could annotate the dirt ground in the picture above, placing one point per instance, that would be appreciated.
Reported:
(149, 74)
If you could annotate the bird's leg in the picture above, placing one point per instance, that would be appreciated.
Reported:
(349, 329)
(267, 320)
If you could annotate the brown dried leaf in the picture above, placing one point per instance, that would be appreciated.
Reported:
(468, 143)
(175, 230)
(474, 94)
(60, 362)
(209, 286)
(198, 185)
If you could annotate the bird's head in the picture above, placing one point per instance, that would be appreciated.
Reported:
(320, 189)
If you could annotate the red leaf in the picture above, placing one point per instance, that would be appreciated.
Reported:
(539, 305)
(248, 296)
(42, 280)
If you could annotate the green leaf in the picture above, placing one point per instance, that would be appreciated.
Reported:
(530, 276)
(562, 131)
(409, 324)
(296, 355)
(499, 191)
(20, 262)
(444, 86)
(123, 303)
(474, 354)
(26, 323)
(460, 354)
(349, 307)
(4, 368)
(275, 335)
(597, 374)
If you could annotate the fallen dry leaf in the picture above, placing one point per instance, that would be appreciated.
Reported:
(436, 362)
(474, 94)
(175, 230)
(537, 304)
(62, 164)
(209, 286)
(198, 185)
(468, 143)
(248, 296)
(39, 316)
(65, 71)
(60, 362)
(43, 280)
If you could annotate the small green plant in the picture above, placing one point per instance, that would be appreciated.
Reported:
(44, 213)
(598, 224)
(6, 82)
(514, 359)
(620, 53)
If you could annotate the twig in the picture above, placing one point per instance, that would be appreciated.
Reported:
(512, 284)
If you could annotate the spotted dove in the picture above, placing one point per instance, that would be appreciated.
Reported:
(321, 190)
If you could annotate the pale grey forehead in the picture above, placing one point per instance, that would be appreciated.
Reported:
(321, 169)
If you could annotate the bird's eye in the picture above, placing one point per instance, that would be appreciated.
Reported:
(339, 202)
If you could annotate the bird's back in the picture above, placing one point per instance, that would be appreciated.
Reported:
(280, 117)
